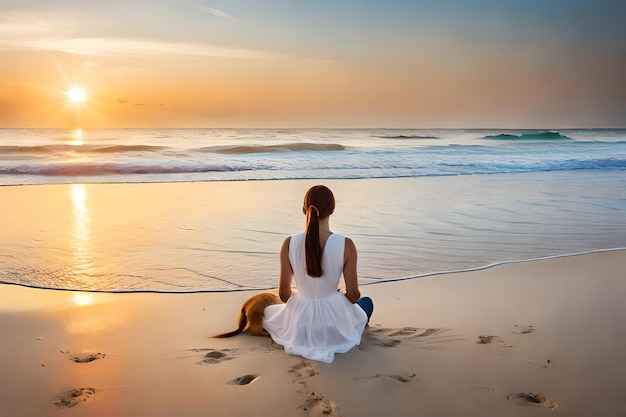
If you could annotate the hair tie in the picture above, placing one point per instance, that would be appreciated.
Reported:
(312, 207)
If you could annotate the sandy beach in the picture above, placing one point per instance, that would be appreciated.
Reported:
(154, 159)
(525, 339)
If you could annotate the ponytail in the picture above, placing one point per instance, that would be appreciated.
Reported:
(319, 203)
(313, 247)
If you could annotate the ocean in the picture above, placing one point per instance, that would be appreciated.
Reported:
(206, 209)
(174, 155)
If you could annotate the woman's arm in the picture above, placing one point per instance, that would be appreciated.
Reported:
(349, 271)
(286, 273)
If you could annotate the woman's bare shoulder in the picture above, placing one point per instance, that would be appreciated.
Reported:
(349, 243)
(349, 250)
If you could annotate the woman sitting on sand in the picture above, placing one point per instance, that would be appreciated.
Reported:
(319, 320)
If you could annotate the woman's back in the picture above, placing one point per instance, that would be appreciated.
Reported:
(332, 267)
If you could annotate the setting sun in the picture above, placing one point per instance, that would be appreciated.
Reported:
(76, 94)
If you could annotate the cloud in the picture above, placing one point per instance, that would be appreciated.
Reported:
(215, 12)
(18, 27)
(59, 33)
(54, 31)
(139, 47)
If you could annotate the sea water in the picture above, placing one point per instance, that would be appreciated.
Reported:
(171, 155)
(417, 201)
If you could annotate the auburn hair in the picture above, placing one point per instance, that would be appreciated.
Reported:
(319, 203)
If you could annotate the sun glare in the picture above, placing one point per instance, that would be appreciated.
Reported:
(76, 95)
(82, 299)
(77, 137)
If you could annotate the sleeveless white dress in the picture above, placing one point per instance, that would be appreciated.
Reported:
(318, 321)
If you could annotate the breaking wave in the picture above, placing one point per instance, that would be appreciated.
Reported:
(94, 149)
(407, 137)
(87, 169)
(546, 135)
(287, 147)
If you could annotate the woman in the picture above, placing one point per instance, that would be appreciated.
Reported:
(318, 321)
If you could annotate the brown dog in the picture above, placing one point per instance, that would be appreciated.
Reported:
(251, 316)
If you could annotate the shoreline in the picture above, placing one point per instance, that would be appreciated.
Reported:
(361, 284)
(495, 264)
(484, 342)
(84, 180)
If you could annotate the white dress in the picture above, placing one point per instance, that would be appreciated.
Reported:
(318, 321)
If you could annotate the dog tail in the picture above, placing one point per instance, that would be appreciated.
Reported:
(243, 322)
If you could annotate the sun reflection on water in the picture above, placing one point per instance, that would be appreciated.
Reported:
(81, 232)
(77, 137)
(82, 299)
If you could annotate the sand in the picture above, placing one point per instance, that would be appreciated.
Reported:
(526, 339)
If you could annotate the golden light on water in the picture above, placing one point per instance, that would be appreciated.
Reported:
(81, 232)
(79, 202)
(77, 137)
(82, 299)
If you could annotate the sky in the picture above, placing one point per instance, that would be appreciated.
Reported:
(289, 63)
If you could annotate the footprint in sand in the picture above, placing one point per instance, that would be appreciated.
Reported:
(519, 329)
(243, 380)
(487, 339)
(430, 332)
(538, 398)
(213, 355)
(88, 358)
(75, 396)
(302, 369)
(405, 331)
(314, 404)
(386, 337)
(382, 336)
(403, 377)
(317, 405)
(267, 346)
(381, 342)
